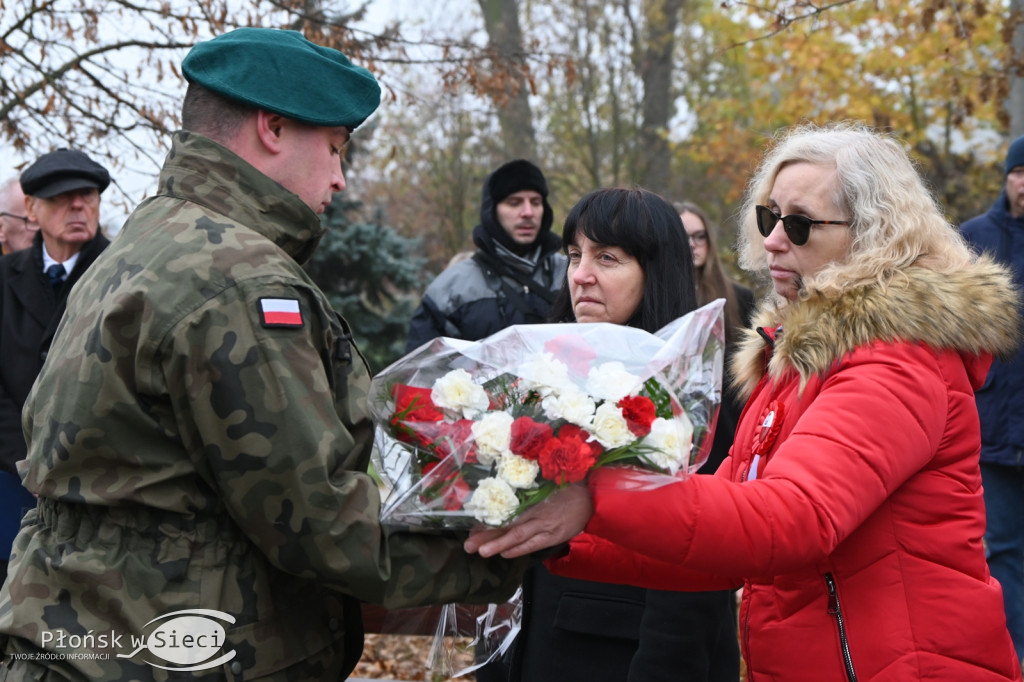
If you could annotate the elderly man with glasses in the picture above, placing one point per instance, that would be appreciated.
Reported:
(17, 232)
(61, 202)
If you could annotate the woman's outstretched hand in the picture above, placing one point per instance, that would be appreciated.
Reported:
(552, 522)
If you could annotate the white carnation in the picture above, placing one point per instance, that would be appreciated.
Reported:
(575, 407)
(611, 381)
(671, 440)
(493, 434)
(492, 502)
(610, 428)
(517, 471)
(457, 391)
(545, 374)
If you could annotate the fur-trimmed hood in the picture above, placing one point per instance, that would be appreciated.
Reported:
(974, 311)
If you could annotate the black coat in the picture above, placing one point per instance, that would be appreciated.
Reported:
(582, 631)
(30, 310)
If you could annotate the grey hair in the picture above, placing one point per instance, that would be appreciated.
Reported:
(7, 193)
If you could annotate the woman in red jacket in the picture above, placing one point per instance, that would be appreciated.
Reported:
(850, 507)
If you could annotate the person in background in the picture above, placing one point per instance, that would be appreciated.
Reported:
(629, 264)
(514, 273)
(851, 503)
(712, 284)
(61, 193)
(199, 437)
(1000, 233)
(17, 231)
(668, 614)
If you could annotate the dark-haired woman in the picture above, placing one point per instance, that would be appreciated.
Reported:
(629, 263)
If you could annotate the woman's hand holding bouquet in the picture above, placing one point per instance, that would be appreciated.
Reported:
(560, 519)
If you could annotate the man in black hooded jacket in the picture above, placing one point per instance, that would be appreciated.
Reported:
(514, 274)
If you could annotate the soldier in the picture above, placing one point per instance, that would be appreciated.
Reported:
(199, 435)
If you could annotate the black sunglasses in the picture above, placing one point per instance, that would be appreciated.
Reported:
(798, 227)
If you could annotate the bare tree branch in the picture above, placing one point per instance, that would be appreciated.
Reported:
(783, 20)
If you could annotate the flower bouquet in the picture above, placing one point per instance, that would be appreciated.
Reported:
(474, 433)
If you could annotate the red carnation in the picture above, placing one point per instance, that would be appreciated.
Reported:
(568, 458)
(452, 437)
(572, 350)
(413, 404)
(639, 413)
(573, 431)
(415, 414)
(529, 437)
(450, 487)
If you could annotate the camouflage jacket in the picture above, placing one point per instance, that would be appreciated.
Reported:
(198, 439)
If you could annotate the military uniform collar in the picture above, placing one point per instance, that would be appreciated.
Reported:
(201, 171)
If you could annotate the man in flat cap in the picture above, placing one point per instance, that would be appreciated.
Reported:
(515, 272)
(199, 438)
(62, 196)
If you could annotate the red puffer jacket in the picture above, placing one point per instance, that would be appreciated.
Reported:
(850, 507)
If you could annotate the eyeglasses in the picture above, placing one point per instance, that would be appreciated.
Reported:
(22, 218)
(90, 196)
(798, 227)
(698, 238)
(30, 225)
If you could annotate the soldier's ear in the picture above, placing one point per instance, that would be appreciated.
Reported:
(270, 128)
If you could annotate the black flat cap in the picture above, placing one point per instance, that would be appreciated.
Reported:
(281, 71)
(62, 171)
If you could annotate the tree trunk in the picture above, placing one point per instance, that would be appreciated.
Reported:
(1015, 102)
(661, 20)
(501, 19)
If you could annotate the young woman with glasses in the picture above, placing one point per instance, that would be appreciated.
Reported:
(712, 284)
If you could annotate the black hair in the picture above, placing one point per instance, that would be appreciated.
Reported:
(649, 229)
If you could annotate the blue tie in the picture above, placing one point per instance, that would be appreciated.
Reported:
(56, 274)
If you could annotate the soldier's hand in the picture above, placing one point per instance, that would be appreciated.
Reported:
(550, 523)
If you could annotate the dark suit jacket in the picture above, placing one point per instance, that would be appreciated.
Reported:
(30, 310)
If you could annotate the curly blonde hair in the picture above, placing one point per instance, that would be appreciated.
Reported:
(895, 221)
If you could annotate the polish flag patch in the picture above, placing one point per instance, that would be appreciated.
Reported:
(280, 312)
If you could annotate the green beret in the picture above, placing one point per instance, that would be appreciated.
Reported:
(283, 72)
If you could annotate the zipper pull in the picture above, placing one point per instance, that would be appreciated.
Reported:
(833, 596)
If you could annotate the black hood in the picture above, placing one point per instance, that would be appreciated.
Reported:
(490, 226)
